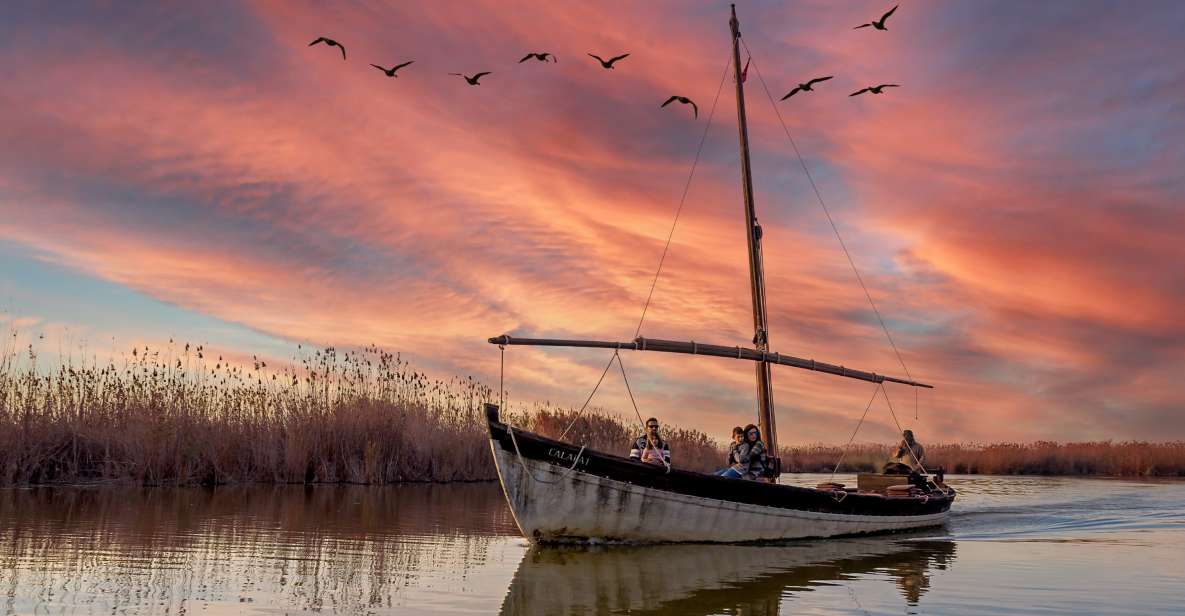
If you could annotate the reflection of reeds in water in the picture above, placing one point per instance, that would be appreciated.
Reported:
(334, 548)
(1130, 458)
(184, 415)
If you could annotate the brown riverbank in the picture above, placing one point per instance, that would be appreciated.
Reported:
(181, 417)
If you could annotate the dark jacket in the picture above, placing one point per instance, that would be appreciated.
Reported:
(734, 456)
(751, 459)
(640, 446)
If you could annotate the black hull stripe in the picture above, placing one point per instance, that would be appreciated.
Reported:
(542, 449)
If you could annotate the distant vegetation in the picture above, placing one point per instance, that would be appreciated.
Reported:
(185, 416)
(1130, 458)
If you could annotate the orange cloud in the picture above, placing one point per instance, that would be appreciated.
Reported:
(317, 200)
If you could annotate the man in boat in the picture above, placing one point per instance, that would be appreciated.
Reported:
(734, 469)
(650, 448)
(909, 457)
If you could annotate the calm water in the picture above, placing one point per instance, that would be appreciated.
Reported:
(1014, 545)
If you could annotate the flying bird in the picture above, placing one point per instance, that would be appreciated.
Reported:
(685, 101)
(391, 71)
(542, 57)
(806, 87)
(875, 89)
(879, 25)
(331, 43)
(472, 80)
(609, 63)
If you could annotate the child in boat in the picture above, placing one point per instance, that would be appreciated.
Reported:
(908, 458)
(734, 470)
(650, 448)
(752, 457)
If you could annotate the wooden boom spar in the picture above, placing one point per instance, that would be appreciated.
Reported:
(714, 350)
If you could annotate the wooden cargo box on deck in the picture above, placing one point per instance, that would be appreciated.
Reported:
(876, 482)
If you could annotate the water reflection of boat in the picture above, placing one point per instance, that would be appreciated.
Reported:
(709, 579)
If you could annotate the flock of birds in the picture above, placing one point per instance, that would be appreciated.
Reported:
(475, 79)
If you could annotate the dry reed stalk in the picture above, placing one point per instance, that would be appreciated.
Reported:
(180, 416)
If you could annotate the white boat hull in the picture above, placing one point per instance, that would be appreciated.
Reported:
(552, 503)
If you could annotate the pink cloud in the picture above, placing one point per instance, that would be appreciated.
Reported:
(320, 201)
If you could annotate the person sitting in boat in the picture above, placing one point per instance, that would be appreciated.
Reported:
(734, 470)
(650, 448)
(909, 457)
(752, 456)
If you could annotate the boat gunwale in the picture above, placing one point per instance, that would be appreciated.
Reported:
(692, 483)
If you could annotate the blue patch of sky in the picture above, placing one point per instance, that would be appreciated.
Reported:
(31, 285)
(1117, 86)
(188, 38)
(264, 222)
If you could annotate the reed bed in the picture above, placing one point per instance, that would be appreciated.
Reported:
(1127, 458)
(181, 415)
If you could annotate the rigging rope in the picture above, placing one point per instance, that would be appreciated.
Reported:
(639, 414)
(590, 395)
(502, 378)
(522, 463)
(827, 212)
(682, 200)
(662, 259)
(875, 391)
(894, 414)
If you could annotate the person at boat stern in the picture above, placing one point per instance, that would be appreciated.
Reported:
(734, 469)
(909, 457)
(650, 448)
(752, 457)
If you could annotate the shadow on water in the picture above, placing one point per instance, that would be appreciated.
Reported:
(712, 579)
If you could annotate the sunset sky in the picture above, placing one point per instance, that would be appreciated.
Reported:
(196, 171)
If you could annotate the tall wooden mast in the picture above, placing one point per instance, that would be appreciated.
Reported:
(765, 398)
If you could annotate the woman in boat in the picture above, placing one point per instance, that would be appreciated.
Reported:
(650, 448)
(752, 457)
(734, 470)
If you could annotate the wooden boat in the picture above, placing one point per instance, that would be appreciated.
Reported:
(564, 492)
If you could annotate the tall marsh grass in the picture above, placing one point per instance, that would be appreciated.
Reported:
(1128, 458)
(183, 415)
(180, 416)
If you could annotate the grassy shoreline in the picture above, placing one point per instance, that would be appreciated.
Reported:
(177, 416)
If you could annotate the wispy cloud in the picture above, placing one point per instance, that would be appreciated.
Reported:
(1016, 206)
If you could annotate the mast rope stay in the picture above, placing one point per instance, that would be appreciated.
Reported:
(522, 463)
(876, 390)
(661, 260)
(894, 415)
(590, 394)
(819, 197)
(639, 414)
(682, 200)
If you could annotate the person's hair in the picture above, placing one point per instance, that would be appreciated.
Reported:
(650, 420)
(738, 430)
(752, 427)
(908, 434)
